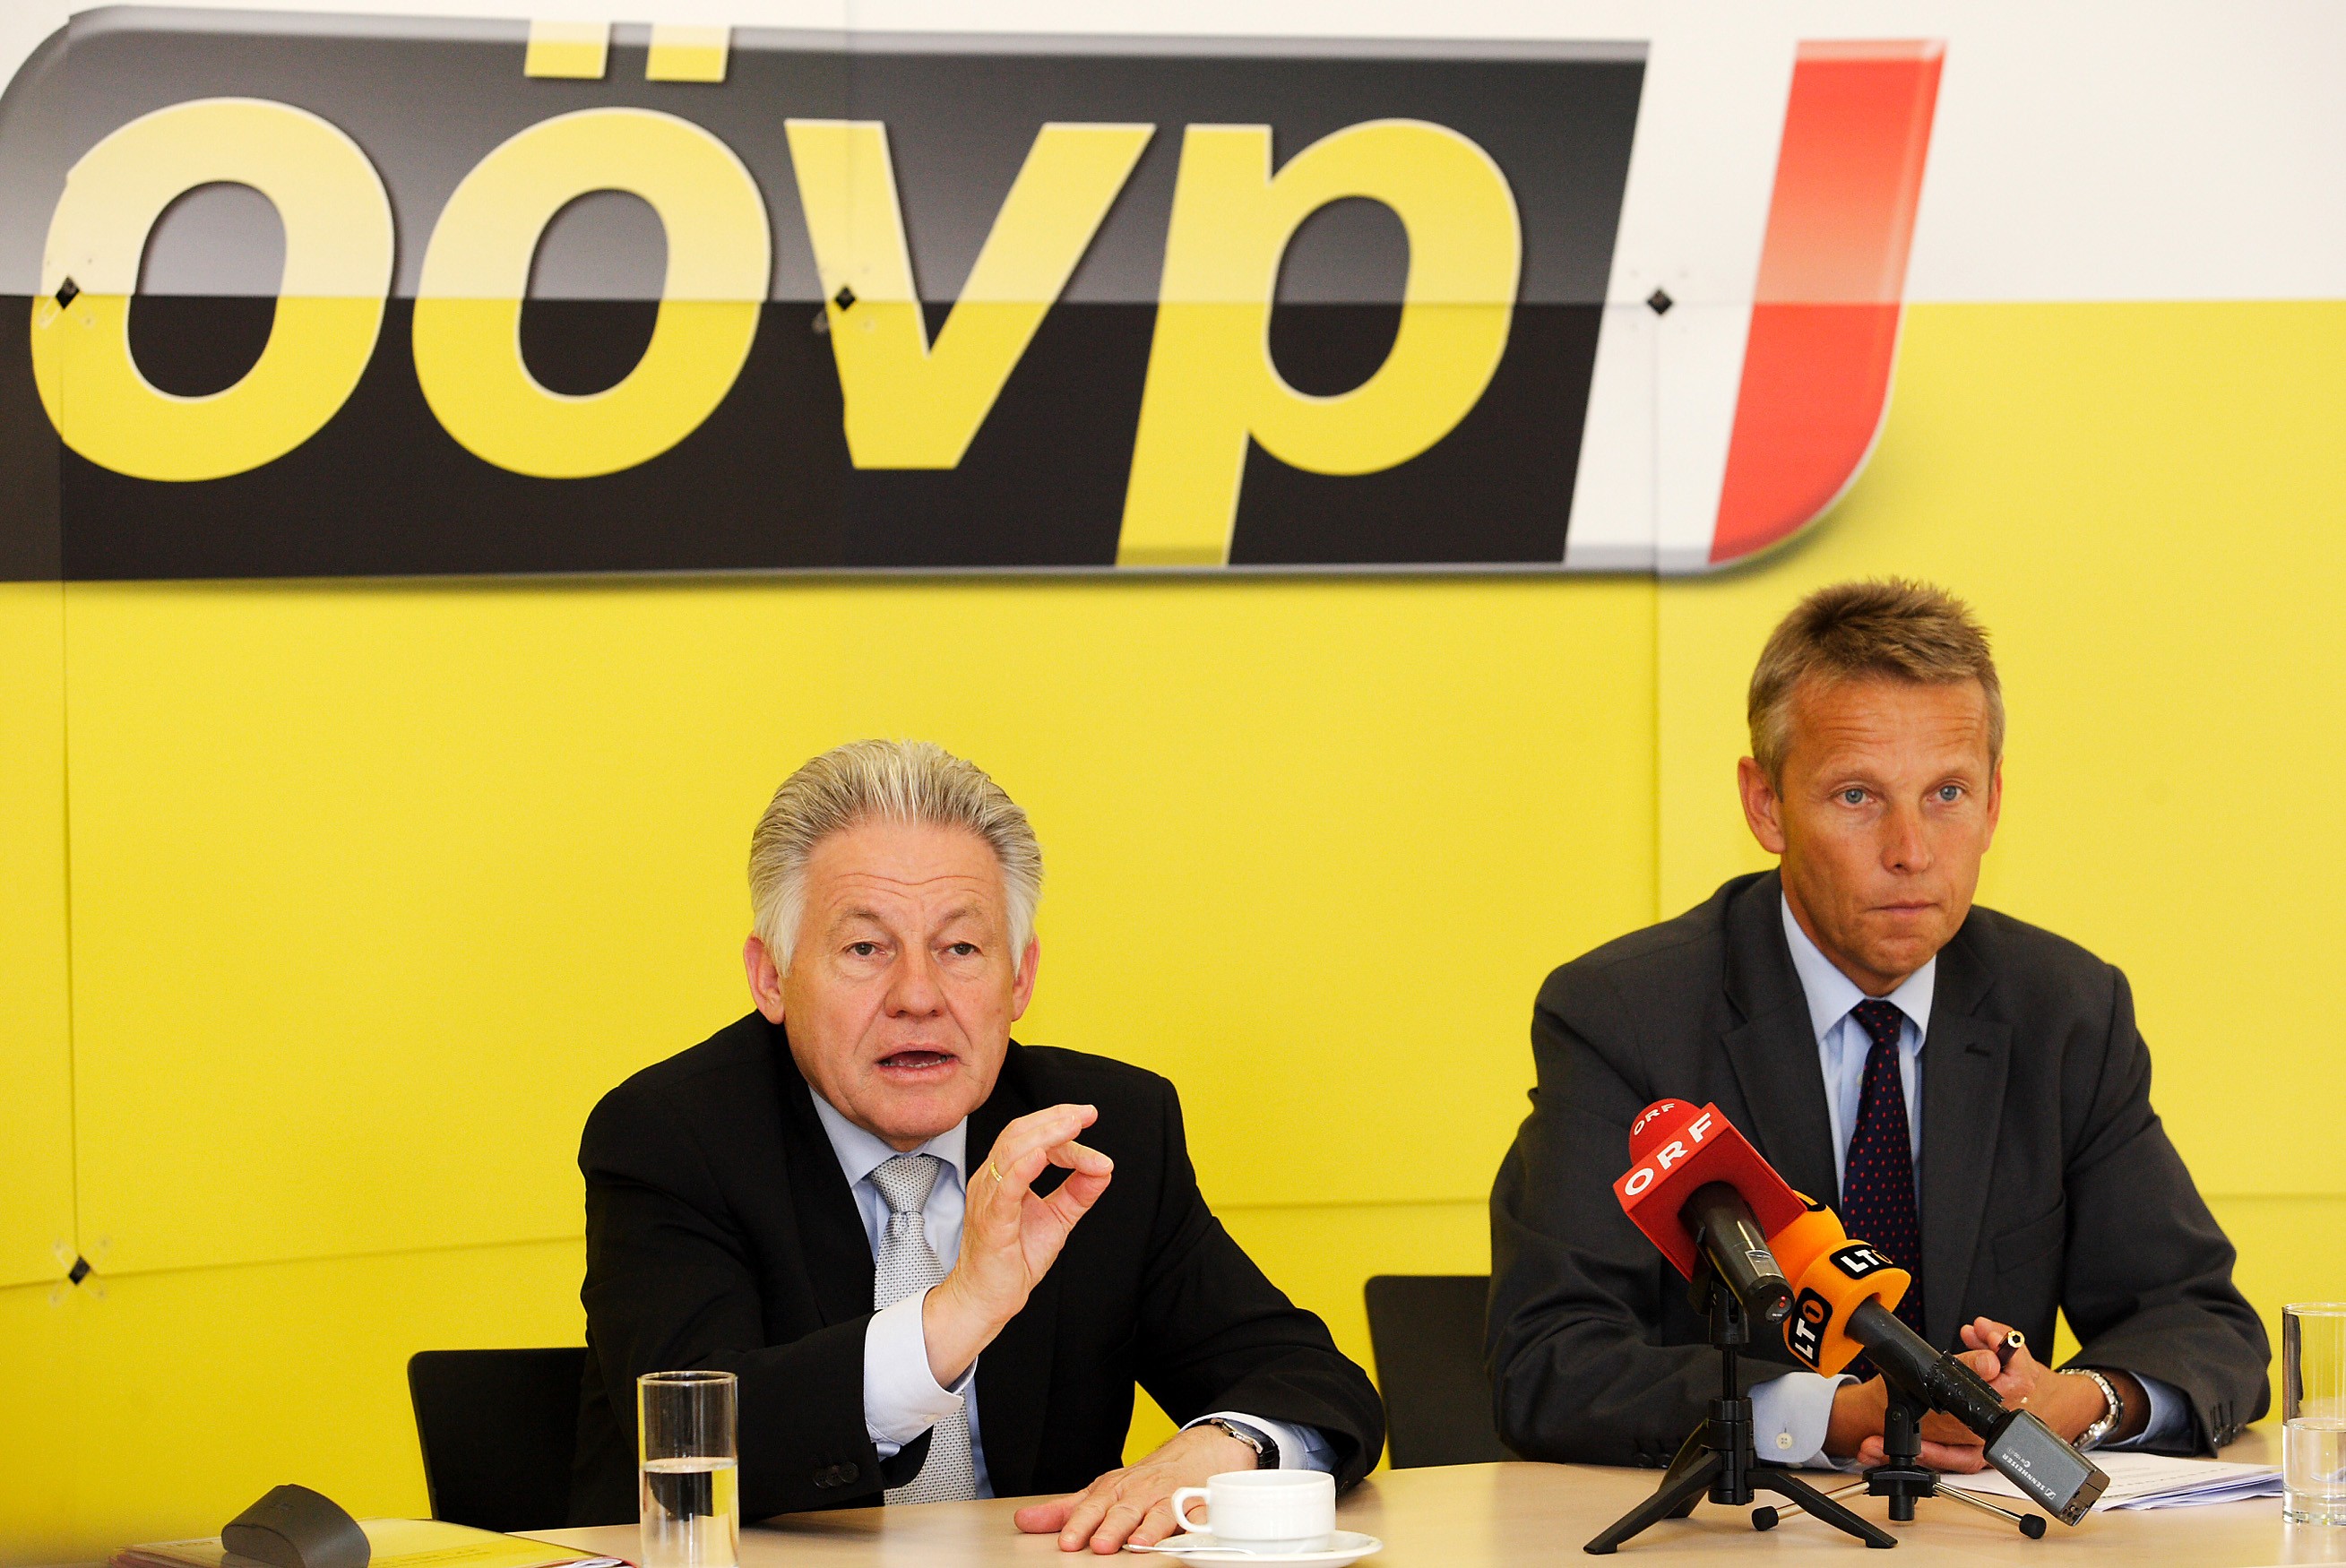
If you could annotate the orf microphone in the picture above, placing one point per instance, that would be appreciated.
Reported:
(1698, 1190)
(1728, 1234)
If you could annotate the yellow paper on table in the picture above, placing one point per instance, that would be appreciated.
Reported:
(392, 1543)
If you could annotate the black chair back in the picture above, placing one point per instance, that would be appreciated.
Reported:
(498, 1429)
(1427, 1333)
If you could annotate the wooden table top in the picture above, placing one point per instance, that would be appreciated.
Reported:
(1466, 1516)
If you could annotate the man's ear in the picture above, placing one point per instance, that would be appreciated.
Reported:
(1994, 801)
(765, 979)
(1022, 989)
(1762, 807)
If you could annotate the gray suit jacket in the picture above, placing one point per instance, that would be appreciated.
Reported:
(2046, 1181)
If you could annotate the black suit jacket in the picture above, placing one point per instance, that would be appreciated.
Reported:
(721, 1233)
(2045, 1179)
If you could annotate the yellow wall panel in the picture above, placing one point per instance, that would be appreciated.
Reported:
(381, 887)
(180, 1396)
(2292, 1248)
(1323, 1255)
(2143, 501)
(1309, 844)
(378, 887)
(36, 1213)
(42, 1422)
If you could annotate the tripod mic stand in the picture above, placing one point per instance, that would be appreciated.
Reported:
(1717, 1459)
(1903, 1478)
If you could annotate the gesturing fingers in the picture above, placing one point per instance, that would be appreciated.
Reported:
(1089, 1173)
(1020, 1154)
(1985, 1363)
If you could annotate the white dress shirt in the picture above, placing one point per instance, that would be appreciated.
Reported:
(1790, 1414)
(901, 1396)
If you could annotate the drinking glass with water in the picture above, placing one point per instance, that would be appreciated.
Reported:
(688, 1469)
(2313, 1411)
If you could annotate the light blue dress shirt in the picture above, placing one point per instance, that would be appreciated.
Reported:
(1790, 1414)
(901, 1396)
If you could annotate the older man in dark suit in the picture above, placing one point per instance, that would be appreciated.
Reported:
(1972, 1089)
(846, 1198)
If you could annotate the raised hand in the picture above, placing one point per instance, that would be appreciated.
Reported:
(1009, 1235)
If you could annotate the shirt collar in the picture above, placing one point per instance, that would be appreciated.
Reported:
(861, 1153)
(1830, 993)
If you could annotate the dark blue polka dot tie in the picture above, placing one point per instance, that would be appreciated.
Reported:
(1877, 1183)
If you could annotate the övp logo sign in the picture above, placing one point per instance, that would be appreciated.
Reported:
(416, 297)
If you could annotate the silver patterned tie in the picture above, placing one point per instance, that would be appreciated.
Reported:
(907, 1264)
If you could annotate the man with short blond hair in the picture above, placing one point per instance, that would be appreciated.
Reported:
(847, 1199)
(1970, 1092)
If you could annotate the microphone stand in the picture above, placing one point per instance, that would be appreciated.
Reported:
(1903, 1479)
(1717, 1458)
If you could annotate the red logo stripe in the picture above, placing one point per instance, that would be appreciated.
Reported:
(1824, 319)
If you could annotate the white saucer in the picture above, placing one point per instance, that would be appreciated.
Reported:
(1344, 1546)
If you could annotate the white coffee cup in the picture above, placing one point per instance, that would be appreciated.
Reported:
(1263, 1510)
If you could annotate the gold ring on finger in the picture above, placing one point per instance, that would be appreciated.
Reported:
(992, 1170)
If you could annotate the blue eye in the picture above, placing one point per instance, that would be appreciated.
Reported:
(1852, 796)
(1951, 792)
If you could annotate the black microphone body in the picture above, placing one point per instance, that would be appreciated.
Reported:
(2063, 1482)
(1729, 1235)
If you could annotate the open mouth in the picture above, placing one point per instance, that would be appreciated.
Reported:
(915, 1062)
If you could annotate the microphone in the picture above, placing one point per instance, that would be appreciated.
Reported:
(1844, 1306)
(1800, 1243)
(1699, 1191)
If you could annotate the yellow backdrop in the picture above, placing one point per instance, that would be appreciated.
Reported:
(328, 909)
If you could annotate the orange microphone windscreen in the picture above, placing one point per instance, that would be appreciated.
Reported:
(1829, 1290)
(1817, 1232)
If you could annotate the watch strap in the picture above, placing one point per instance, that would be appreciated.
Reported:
(1266, 1449)
(2113, 1412)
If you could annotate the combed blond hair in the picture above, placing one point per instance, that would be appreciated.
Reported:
(910, 781)
(1883, 629)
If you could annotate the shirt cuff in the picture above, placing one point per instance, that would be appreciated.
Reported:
(1300, 1447)
(1789, 1415)
(901, 1396)
(2171, 1416)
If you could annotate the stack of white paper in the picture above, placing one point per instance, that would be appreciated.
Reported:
(2155, 1481)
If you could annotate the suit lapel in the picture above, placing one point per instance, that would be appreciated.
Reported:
(838, 1250)
(1773, 1050)
(1965, 1059)
(1014, 1374)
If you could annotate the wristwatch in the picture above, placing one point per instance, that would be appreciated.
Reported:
(2113, 1412)
(1266, 1452)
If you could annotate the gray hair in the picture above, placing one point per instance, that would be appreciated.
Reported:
(910, 781)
